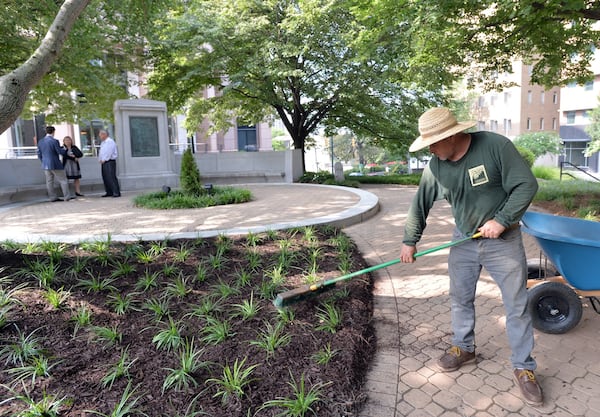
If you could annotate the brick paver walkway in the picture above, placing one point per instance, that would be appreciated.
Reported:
(412, 321)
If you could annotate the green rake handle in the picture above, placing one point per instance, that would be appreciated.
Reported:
(288, 297)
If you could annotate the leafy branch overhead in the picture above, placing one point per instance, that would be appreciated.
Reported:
(303, 62)
(367, 67)
(481, 39)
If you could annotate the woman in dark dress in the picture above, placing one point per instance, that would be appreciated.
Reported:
(71, 163)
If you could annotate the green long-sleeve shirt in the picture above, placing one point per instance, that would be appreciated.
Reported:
(491, 181)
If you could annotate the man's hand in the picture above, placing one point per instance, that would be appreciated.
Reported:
(491, 229)
(407, 254)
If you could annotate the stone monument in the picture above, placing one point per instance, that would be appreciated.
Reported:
(141, 134)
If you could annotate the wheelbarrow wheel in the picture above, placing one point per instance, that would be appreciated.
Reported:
(540, 270)
(555, 308)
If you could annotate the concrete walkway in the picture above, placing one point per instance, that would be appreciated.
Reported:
(412, 314)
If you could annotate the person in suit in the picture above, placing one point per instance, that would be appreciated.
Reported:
(49, 152)
(108, 159)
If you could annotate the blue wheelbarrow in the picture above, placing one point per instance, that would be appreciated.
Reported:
(555, 288)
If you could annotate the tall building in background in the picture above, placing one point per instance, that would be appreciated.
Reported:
(520, 108)
(576, 103)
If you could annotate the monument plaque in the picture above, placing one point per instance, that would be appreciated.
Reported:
(144, 136)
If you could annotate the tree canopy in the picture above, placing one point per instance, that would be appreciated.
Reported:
(480, 39)
(50, 52)
(304, 61)
(369, 67)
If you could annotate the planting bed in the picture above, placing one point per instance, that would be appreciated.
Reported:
(207, 290)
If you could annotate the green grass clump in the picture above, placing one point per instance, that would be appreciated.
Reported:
(546, 173)
(180, 200)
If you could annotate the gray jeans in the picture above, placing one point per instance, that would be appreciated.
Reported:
(58, 175)
(504, 258)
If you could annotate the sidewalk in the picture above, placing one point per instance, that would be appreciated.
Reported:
(274, 206)
(411, 306)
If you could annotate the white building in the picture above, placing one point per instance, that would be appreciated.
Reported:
(576, 103)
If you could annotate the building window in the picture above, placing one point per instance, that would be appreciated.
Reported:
(481, 103)
(570, 117)
(528, 123)
(585, 116)
(507, 126)
(481, 125)
(506, 97)
(574, 153)
(247, 138)
(529, 96)
(554, 126)
(542, 123)
(543, 97)
(588, 86)
(555, 98)
(572, 84)
(494, 125)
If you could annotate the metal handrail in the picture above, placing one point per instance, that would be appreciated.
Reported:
(15, 152)
(576, 167)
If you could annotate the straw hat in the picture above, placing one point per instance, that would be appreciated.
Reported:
(437, 124)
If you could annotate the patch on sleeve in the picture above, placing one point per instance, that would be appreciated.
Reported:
(478, 176)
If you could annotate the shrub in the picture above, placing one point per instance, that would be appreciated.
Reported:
(189, 178)
(316, 177)
(539, 143)
(527, 155)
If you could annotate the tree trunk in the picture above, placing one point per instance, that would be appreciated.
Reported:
(16, 85)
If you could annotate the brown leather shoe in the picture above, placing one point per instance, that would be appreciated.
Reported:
(530, 389)
(454, 359)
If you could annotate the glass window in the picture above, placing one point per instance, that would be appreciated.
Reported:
(247, 138)
(507, 126)
(588, 86)
(570, 117)
(555, 98)
(542, 97)
(574, 153)
(529, 96)
(528, 123)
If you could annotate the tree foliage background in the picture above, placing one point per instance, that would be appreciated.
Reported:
(310, 63)
(369, 67)
(106, 40)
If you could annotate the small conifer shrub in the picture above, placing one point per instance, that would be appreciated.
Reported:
(189, 177)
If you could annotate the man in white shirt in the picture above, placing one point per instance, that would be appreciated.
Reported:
(108, 159)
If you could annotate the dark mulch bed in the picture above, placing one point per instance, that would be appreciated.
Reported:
(81, 361)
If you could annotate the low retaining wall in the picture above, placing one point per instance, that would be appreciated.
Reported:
(23, 179)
